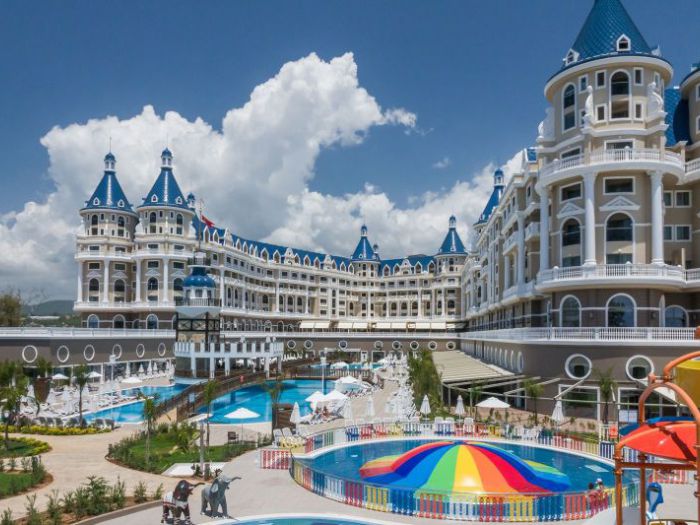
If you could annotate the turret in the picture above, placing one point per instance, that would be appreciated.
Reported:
(365, 259)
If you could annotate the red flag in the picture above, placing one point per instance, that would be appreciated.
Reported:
(206, 221)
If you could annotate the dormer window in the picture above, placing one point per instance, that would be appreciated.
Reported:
(624, 43)
(120, 204)
(571, 57)
(154, 199)
(96, 201)
(178, 200)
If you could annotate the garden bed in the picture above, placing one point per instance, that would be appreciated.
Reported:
(57, 431)
(19, 447)
(19, 476)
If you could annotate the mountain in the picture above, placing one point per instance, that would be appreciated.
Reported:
(61, 307)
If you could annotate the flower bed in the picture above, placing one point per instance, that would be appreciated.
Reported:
(18, 447)
(57, 431)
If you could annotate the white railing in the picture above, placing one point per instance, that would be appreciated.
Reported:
(532, 230)
(584, 334)
(693, 165)
(41, 332)
(608, 156)
(613, 271)
(510, 241)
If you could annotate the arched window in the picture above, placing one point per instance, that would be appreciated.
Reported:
(177, 288)
(120, 226)
(178, 222)
(152, 288)
(621, 311)
(152, 219)
(118, 321)
(93, 321)
(119, 291)
(569, 107)
(152, 322)
(619, 95)
(93, 225)
(94, 290)
(570, 313)
(571, 243)
(675, 317)
(619, 234)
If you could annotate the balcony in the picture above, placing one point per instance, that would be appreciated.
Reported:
(532, 230)
(642, 159)
(593, 335)
(206, 302)
(515, 292)
(510, 242)
(692, 170)
(617, 275)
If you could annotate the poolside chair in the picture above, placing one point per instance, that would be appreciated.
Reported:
(379, 427)
(439, 426)
(449, 426)
(469, 429)
(291, 439)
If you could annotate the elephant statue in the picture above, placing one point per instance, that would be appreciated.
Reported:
(175, 503)
(214, 496)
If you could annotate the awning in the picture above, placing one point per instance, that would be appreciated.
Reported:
(398, 326)
(322, 325)
(361, 325)
(422, 326)
(438, 326)
(381, 325)
(457, 367)
(306, 325)
(344, 325)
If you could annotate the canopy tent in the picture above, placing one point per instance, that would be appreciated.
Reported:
(321, 325)
(306, 325)
(492, 402)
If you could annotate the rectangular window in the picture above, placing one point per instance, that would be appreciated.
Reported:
(583, 83)
(153, 264)
(94, 248)
(569, 120)
(572, 191)
(571, 153)
(153, 247)
(120, 267)
(619, 185)
(682, 233)
(682, 199)
(120, 249)
(618, 258)
(668, 199)
(638, 76)
(600, 113)
(600, 79)
(178, 265)
(619, 144)
(668, 233)
(93, 266)
(638, 111)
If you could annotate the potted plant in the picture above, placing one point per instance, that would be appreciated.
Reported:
(42, 380)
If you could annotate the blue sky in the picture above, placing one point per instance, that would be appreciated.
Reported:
(473, 72)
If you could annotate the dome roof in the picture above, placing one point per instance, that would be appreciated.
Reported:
(199, 279)
(363, 250)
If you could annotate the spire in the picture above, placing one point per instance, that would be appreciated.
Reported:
(608, 30)
(498, 185)
(109, 194)
(364, 251)
(452, 244)
(165, 190)
(498, 178)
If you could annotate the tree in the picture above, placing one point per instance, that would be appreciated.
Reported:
(80, 374)
(533, 390)
(11, 395)
(274, 390)
(208, 396)
(150, 414)
(10, 309)
(607, 386)
(474, 394)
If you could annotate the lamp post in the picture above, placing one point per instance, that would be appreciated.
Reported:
(323, 373)
(112, 361)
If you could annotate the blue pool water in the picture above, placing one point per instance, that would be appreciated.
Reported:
(346, 462)
(255, 398)
(133, 412)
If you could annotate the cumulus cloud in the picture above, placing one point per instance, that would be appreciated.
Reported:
(443, 163)
(253, 175)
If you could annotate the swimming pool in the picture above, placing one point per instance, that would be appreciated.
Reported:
(255, 398)
(133, 412)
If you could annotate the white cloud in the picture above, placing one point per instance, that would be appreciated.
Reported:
(253, 175)
(443, 163)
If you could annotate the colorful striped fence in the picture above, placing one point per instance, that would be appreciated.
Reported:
(275, 458)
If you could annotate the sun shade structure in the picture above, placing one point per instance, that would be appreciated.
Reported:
(243, 413)
(492, 402)
(460, 466)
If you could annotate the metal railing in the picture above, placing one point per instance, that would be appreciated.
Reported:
(60, 332)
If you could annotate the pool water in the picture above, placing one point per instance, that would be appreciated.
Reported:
(346, 462)
(133, 412)
(256, 399)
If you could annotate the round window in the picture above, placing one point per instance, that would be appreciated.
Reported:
(308, 344)
(117, 351)
(432, 345)
(62, 354)
(161, 349)
(414, 345)
(378, 344)
(343, 344)
(89, 353)
(639, 367)
(578, 366)
(396, 345)
(29, 354)
(140, 350)
(451, 345)
(291, 344)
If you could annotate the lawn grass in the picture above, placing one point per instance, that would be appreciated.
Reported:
(15, 482)
(21, 447)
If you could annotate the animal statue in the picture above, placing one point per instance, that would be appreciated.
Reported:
(655, 497)
(214, 496)
(175, 503)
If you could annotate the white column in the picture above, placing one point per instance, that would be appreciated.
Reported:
(306, 301)
(589, 190)
(521, 250)
(222, 286)
(506, 272)
(138, 281)
(657, 218)
(420, 301)
(105, 284)
(544, 228)
(277, 297)
(79, 296)
(166, 278)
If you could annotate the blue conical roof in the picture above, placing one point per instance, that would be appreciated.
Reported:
(452, 243)
(605, 24)
(109, 194)
(364, 251)
(495, 198)
(165, 191)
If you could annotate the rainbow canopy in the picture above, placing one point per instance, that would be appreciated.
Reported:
(460, 466)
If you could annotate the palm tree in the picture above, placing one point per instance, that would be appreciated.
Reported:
(274, 390)
(208, 396)
(534, 391)
(150, 414)
(474, 395)
(80, 374)
(607, 386)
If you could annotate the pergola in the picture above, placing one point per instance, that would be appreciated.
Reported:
(674, 440)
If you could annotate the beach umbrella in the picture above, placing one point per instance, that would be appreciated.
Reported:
(94, 375)
(425, 406)
(241, 413)
(347, 410)
(59, 377)
(295, 417)
(464, 467)
(558, 414)
(149, 370)
(131, 380)
(459, 409)
(340, 364)
(348, 380)
(492, 402)
(315, 397)
(141, 369)
(334, 396)
(369, 408)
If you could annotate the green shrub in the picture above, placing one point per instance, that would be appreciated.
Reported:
(118, 494)
(54, 512)
(33, 517)
(140, 492)
(68, 502)
(158, 493)
(6, 517)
